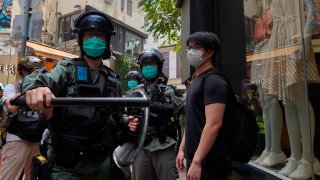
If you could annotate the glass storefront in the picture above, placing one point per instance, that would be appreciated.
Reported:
(133, 44)
(282, 46)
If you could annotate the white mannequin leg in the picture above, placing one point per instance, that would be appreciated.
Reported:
(301, 104)
(275, 155)
(276, 121)
(304, 168)
(266, 122)
(293, 127)
(265, 109)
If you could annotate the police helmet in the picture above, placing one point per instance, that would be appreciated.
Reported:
(94, 20)
(151, 55)
(134, 75)
(30, 63)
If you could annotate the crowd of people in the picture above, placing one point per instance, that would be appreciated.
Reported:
(83, 138)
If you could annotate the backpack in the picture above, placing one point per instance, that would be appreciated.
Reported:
(242, 125)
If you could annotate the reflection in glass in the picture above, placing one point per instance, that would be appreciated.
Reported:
(282, 62)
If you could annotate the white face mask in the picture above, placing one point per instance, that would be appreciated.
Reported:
(194, 57)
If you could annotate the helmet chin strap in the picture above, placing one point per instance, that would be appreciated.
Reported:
(151, 81)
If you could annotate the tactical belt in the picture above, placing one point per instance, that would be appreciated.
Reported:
(69, 151)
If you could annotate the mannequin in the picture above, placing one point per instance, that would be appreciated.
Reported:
(285, 74)
(256, 70)
(272, 154)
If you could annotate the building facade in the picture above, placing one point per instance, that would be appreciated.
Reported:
(127, 18)
(51, 23)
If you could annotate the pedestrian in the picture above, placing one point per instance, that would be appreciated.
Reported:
(157, 158)
(17, 153)
(83, 137)
(205, 141)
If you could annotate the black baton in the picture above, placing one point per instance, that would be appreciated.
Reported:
(92, 101)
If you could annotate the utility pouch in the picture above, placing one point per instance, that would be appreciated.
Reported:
(27, 125)
(162, 134)
(96, 152)
(147, 140)
(40, 168)
(67, 154)
(85, 90)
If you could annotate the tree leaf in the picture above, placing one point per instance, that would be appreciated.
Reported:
(164, 20)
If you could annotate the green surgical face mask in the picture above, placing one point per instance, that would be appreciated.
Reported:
(94, 47)
(132, 83)
(149, 71)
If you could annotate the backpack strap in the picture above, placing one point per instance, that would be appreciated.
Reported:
(210, 72)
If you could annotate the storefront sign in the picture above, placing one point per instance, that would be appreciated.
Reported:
(316, 45)
(9, 70)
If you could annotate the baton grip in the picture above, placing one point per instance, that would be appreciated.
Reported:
(18, 101)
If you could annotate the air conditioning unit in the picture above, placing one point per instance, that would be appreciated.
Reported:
(108, 1)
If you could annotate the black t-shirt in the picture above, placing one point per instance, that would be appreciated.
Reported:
(215, 90)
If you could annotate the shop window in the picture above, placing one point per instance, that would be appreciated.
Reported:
(129, 8)
(122, 5)
(65, 28)
(282, 40)
(132, 44)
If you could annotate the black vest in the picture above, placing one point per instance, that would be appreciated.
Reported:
(161, 113)
(88, 124)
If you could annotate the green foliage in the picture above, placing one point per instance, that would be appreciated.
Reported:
(164, 21)
(123, 65)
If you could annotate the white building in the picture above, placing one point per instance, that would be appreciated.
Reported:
(54, 26)
(127, 18)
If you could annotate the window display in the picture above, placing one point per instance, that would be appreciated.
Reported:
(282, 64)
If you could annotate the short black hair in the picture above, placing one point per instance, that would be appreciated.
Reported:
(207, 40)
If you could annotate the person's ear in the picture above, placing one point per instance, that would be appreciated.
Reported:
(207, 54)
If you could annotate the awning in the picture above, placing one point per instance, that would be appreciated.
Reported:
(50, 52)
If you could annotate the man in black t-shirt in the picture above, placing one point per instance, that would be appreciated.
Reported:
(205, 141)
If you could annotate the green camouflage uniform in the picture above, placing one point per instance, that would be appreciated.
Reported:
(59, 81)
(157, 160)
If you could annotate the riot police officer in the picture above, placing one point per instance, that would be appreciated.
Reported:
(157, 159)
(83, 138)
(133, 78)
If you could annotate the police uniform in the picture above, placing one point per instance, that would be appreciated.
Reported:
(82, 141)
(157, 158)
(84, 137)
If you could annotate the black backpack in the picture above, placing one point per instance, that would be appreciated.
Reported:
(242, 125)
